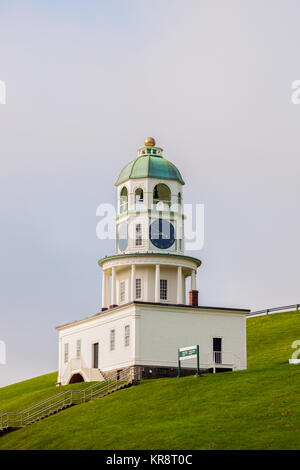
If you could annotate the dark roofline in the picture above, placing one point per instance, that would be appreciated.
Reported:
(149, 177)
(191, 306)
(159, 304)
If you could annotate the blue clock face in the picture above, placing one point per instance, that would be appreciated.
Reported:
(123, 236)
(162, 234)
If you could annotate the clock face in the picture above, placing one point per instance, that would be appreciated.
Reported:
(162, 234)
(123, 236)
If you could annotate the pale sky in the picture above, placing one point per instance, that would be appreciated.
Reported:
(86, 82)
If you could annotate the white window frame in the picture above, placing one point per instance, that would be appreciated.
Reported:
(93, 353)
(220, 352)
(66, 353)
(127, 335)
(163, 289)
(123, 204)
(122, 292)
(112, 339)
(138, 234)
(138, 289)
(139, 202)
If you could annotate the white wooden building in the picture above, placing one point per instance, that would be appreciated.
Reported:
(145, 316)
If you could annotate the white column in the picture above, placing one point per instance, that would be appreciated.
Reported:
(179, 285)
(131, 201)
(193, 280)
(113, 286)
(146, 200)
(105, 290)
(60, 361)
(157, 283)
(132, 283)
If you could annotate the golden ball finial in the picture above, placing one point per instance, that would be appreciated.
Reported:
(149, 142)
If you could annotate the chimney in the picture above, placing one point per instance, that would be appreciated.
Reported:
(193, 294)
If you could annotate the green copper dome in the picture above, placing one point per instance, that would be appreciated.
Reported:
(150, 165)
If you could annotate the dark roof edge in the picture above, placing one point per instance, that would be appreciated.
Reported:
(149, 177)
(159, 304)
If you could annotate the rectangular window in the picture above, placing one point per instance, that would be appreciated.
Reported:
(112, 339)
(78, 349)
(122, 291)
(138, 288)
(163, 289)
(138, 234)
(127, 335)
(66, 352)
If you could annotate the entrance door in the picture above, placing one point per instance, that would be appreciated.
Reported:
(96, 355)
(217, 350)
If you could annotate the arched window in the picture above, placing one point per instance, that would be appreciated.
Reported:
(179, 199)
(161, 197)
(123, 200)
(139, 199)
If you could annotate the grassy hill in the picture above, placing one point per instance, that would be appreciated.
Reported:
(254, 409)
(22, 395)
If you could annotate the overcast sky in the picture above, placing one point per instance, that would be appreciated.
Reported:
(86, 82)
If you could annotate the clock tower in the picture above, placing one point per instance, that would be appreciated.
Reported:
(149, 264)
(145, 315)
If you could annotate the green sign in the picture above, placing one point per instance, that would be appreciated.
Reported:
(189, 352)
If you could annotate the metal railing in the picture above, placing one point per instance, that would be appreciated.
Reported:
(217, 357)
(267, 311)
(66, 399)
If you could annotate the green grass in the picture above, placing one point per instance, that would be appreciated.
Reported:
(254, 409)
(22, 395)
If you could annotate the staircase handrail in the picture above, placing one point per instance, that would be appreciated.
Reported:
(67, 398)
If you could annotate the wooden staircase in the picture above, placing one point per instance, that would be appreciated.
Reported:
(61, 401)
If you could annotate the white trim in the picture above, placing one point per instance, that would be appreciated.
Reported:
(110, 314)
(150, 260)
